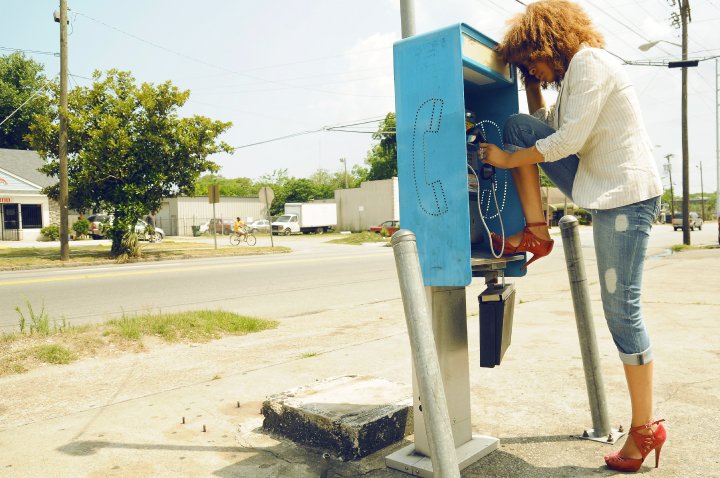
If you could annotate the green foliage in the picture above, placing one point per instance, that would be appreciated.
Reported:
(382, 158)
(128, 148)
(20, 79)
(51, 232)
(129, 246)
(358, 238)
(81, 227)
(39, 323)
(199, 325)
(53, 353)
(241, 187)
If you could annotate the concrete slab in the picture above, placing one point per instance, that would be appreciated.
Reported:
(352, 416)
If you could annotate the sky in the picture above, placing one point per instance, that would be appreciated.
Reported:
(282, 71)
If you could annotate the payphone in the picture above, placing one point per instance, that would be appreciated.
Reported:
(450, 84)
(451, 93)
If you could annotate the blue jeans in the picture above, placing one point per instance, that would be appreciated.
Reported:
(621, 236)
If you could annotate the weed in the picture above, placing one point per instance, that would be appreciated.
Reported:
(53, 353)
(309, 355)
(40, 323)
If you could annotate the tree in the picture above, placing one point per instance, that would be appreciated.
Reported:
(21, 81)
(128, 148)
(382, 158)
(243, 187)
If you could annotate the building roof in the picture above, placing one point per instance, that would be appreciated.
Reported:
(24, 164)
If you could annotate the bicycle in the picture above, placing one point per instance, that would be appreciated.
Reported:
(243, 236)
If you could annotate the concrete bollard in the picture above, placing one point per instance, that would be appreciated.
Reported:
(425, 358)
(586, 331)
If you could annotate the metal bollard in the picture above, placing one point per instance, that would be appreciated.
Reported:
(425, 358)
(586, 332)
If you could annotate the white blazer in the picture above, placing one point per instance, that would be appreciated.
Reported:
(597, 116)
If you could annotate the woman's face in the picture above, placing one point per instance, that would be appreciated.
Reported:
(542, 71)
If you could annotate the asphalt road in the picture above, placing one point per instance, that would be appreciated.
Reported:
(316, 276)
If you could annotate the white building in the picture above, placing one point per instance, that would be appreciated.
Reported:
(374, 202)
(24, 209)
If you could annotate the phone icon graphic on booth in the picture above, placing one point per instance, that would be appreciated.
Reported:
(430, 193)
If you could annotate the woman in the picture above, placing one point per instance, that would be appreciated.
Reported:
(592, 143)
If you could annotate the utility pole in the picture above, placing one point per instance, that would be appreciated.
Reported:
(63, 140)
(344, 161)
(684, 15)
(672, 193)
(407, 18)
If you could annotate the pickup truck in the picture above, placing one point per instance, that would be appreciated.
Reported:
(694, 221)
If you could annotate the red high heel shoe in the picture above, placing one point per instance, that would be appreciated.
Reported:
(528, 243)
(645, 443)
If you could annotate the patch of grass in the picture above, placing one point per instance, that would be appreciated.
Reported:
(53, 353)
(309, 355)
(20, 352)
(680, 247)
(197, 326)
(24, 257)
(357, 238)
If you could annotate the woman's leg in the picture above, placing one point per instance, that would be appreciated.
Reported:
(522, 131)
(527, 183)
(621, 237)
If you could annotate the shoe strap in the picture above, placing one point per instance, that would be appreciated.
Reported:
(647, 426)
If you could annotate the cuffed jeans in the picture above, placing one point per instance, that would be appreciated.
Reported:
(621, 237)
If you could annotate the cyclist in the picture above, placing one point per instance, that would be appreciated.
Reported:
(240, 228)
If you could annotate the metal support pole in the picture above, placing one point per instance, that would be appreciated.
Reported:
(425, 357)
(588, 343)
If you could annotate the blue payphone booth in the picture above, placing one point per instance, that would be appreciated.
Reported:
(442, 79)
(448, 82)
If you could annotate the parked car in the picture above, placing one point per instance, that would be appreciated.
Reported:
(390, 226)
(694, 221)
(141, 227)
(221, 226)
(259, 225)
(98, 223)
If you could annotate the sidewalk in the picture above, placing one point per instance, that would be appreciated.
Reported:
(122, 416)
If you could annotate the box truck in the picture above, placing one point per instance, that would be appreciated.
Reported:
(304, 218)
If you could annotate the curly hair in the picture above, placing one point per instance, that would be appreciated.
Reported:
(550, 31)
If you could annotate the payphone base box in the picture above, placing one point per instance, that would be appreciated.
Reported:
(497, 305)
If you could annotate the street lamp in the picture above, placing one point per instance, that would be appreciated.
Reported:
(648, 45)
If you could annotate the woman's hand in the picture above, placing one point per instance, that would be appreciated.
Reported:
(491, 154)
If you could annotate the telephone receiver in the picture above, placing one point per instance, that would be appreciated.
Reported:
(430, 193)
(474, 137)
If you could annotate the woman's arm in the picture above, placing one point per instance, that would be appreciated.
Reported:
(499, 158)
(534, 95)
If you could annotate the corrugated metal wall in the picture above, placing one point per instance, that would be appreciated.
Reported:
(177, 215)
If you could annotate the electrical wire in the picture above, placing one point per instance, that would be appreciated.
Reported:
(37, 92)
(223, 68)
(34, 52)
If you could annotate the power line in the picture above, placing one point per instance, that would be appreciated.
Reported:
(302, 133)
(28, 100)
(35, 52)
(219, 67)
